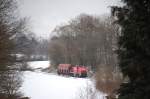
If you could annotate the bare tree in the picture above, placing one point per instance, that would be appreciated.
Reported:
(10, 84)
(89, 92)
(86, 40)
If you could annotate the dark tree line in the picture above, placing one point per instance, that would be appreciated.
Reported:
(31, 47)
(85, 40)
(134, 48)
(41, 48)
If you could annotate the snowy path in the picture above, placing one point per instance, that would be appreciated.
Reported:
(38, 85)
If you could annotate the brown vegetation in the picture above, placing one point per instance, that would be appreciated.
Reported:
(108, 80)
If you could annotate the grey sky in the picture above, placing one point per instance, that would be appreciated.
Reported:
(46, 14)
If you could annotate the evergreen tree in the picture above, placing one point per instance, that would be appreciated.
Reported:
(6, 44)
(134, 48)
(10, 25)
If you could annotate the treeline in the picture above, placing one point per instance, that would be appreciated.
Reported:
(86, 40)
(30, 47)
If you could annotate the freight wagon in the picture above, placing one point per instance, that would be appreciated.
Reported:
(72, 70)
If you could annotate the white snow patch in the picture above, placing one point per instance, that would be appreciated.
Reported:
(39, 64)
(50, 86)
(39, 85)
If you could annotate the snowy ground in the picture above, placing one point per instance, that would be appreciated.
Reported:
(39, 64)
(39, 85)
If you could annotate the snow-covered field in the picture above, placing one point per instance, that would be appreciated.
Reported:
(39, 64)
(39, 85)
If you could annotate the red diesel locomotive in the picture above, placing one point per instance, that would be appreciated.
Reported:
(76, 71)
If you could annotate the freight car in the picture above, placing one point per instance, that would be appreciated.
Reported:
(72, 70)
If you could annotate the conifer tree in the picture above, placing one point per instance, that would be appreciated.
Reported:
(10, 25)
(134, 48)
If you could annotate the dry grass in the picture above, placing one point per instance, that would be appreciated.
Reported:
(108, 80)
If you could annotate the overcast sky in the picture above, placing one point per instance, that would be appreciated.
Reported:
(45, 15)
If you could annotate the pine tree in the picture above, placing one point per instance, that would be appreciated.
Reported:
(6, 44)
(10, 25)
(134, 48)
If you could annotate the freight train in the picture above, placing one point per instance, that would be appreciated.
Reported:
(72, 70)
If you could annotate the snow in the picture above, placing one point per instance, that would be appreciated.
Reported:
(39, 85)
(39, 64)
